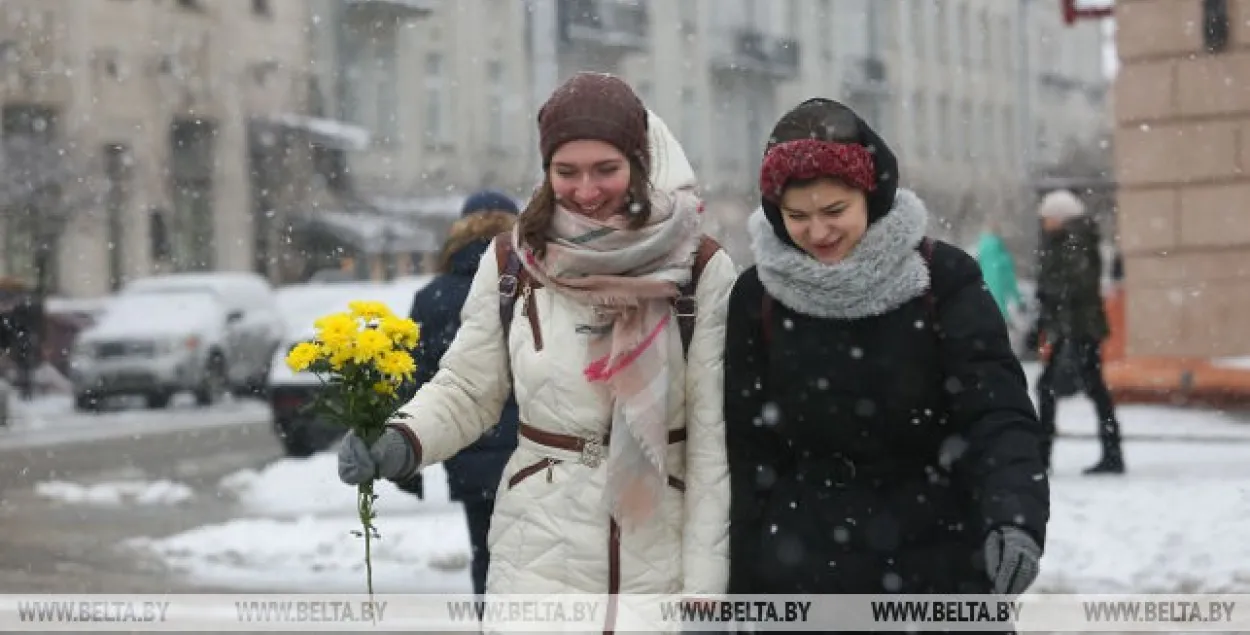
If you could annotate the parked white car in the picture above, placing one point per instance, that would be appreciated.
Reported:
(255, 326)
(154, 345)
(301, 431)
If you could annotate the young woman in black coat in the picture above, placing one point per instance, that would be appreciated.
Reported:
(880, 433)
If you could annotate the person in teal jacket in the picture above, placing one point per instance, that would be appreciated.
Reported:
(999, 271)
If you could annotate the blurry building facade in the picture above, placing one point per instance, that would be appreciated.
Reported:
(162, 114)
(286, 136)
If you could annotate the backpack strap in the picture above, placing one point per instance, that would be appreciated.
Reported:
(766, 318)
(510, 274)
(685, 304)
(930, 297)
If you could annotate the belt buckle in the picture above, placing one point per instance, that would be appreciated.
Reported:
(592, 453)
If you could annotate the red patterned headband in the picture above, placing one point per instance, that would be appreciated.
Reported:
(813, 158)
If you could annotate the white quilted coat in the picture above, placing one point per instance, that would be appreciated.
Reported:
(550, 531)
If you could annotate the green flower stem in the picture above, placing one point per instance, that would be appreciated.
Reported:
(364, 505)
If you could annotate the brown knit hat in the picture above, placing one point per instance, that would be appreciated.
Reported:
(594, 106)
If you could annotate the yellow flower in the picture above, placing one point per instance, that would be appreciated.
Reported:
(403, 331)
(336, 331)
(371, 345)
(369, 310)
(384, 388)
(302, 356)
(338, 355)
(397, 365)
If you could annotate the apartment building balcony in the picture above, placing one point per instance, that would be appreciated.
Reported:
(392, 9)
(866, 76)
(749, 50)
(606, 26)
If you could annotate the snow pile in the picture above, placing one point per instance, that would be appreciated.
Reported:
(311, 486)
(416, 553)
(306, 540)
(116, 493)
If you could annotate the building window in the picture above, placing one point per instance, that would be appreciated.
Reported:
(437, 124)
(191, 168)
(919, 21)
(968, 132)
(386, 79)
(370, 95)
(920, 124)
(990, 148)
(1008, 40)
(1009, 131)
(191, 5)
(986, 38)
(965, 36)
(942, 32)
(262, 8)
(689, 12)
(32, 229)
(117, 170)
(497, 127)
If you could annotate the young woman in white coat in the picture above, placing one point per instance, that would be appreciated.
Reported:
(619, 483)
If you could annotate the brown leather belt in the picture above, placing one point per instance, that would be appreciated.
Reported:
(593, 451)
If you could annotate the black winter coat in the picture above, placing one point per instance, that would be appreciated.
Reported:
(473, 473)
(874, 455)
(1069, 283)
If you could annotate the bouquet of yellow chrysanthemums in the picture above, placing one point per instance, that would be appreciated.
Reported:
(362, 357)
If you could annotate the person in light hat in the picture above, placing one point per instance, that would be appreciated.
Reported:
(880, 433)
(1073, 321)
(619, 483)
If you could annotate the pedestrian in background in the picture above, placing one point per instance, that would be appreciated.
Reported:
(473, 474)
(1073, 321)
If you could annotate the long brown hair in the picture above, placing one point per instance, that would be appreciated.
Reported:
(535, 219)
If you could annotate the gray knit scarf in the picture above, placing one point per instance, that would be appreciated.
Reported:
(882, 272)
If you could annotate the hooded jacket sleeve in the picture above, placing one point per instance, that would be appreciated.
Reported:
(465, 397)
(999, 453)
(705, 556)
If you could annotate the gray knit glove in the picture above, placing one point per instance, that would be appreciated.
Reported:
(1012, 560)
(390, 457)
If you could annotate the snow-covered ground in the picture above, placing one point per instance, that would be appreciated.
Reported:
(115, 493)
(1177, 521)
(295, 532)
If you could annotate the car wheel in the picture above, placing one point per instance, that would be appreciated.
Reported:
(87, 402)
(297, 443)
(158, 399)
(213, 386)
